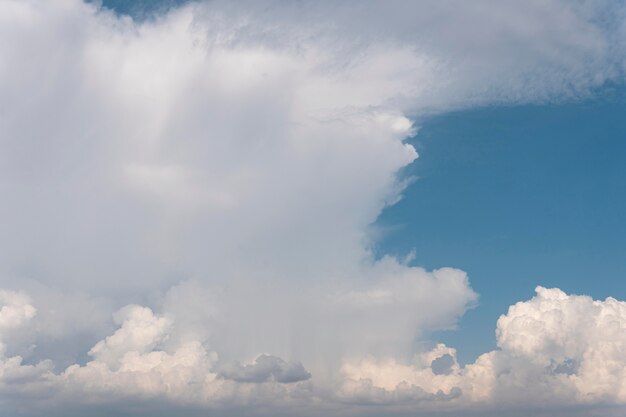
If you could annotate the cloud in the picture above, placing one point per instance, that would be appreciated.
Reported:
(264, 368)
(140, 332)
(131, 366)
(571, 346)
(555, 349)
(211, 174)
(16, 309)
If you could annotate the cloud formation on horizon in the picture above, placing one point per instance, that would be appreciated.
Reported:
(553, 350)
(209, 178)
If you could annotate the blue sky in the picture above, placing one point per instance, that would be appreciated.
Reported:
(217, 208)
(518, 197)
(139, 8)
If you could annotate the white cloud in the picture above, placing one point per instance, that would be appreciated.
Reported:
(221, 164)
(555, 349)
(265, 368)
(15, 309)
(570, 346)
(140, 332)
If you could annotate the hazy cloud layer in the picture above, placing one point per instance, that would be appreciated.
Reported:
(208, 178)
(265, 368)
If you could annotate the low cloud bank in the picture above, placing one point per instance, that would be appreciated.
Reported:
(554, 350)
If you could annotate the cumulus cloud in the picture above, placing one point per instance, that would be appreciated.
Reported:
(140, 332)
(572, 347)
(554, 349)
(264, 368)
(211, 174)
(15, 309)
(132, 364)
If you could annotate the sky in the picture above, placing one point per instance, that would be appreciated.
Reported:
(539, 187)
(268, 208)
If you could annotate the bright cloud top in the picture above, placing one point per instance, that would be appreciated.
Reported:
(209, 178)
(553, 349)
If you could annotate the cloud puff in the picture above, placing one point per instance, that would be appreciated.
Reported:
(389, 381)
(265, 368)
(564, 347)
(140, 332)
(15, 309)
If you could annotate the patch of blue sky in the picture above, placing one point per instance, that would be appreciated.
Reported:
(139, 9)
(517, 197)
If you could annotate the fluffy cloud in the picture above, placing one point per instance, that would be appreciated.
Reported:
(15, 309)
(131, 364)
(564, 348)
(264, 368)
(553, 349)
(140, 332)
(211, 174)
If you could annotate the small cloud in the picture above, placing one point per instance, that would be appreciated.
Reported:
(442, 365)
(567, 367)
(265, 368)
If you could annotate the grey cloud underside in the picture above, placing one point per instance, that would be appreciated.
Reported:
(208, 177)
(443, 365)
(265, 368)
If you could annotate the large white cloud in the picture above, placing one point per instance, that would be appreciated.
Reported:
(221, 164)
